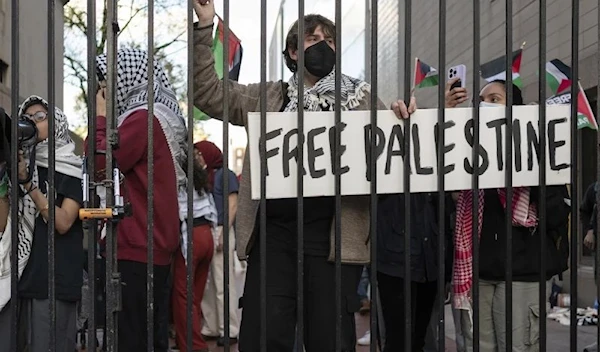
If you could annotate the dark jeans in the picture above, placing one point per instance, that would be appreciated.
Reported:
(132, 318)
(363, 285)
(319, 302)
(391, 293)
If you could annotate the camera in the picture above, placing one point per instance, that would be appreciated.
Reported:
(26, 139)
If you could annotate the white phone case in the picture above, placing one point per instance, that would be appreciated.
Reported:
(459, 71)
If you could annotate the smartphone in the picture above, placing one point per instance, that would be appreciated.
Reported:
(459, 71)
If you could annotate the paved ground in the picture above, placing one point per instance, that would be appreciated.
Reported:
(557, 336)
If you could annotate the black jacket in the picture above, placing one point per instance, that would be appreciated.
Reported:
(525, 242)
(424, 236)
(587, 213)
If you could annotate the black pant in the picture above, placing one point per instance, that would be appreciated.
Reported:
(422, 296)
(319, 302)
(132, 318)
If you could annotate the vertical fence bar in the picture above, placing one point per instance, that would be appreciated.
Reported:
(574, 170)
(373, 166)
(508, 171)
(542, 167)
(91, 169)
(225, 233)
(263, 174)
(112, 276)
(14, 180)
(150, 195)
(51, 191)
(407, 151)
(597, 247)
(441, 161)
(475, 162)
(338, 179)
(190, 184)
(300, 185)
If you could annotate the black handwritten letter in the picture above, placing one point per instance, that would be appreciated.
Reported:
(447, 147)
(314, 153)
(397, 134)
(262, 144)
(517, 140)
(332, 133)
(497, 124)
(289, 154)
(533, 143)
(417, 154)
(379, 146)
(480, 151)
(553, 144)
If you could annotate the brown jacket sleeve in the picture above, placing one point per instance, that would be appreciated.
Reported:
(208, 88)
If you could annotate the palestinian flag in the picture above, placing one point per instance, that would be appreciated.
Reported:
(496, 69)
(585, 116)
(425, 75)
(235, 60)
(558, 76)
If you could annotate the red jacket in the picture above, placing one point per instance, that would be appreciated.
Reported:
(132, 160)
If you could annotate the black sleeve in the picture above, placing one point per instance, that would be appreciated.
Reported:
(557, 209)
(587, 207)
(70, 187)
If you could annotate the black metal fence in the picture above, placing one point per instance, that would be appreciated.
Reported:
(112, 277)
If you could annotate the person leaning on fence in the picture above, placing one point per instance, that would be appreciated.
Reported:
(205, 221)
(169, 145)
(281, 257)
(34, 320)
(492, 256)
(213, 302)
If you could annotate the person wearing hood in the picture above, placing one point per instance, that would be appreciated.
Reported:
(319, 46)
(33, 305)
(170, 184)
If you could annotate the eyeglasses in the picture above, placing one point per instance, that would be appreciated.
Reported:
(37, 117)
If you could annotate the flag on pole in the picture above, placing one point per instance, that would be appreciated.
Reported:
(496, 69)
(558, 76)
(234, 59)
(585, 116)
(425, 75)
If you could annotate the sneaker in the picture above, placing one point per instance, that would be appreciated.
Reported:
(221, 341)
(365, 340)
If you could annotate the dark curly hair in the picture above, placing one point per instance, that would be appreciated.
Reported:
(200, 177)
(311, 22)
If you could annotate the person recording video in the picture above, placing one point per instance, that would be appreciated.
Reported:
(33, 303)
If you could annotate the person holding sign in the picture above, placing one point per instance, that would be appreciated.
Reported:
(491, 231)
(318, 44)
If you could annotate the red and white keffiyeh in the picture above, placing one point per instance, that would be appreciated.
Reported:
(524, 214)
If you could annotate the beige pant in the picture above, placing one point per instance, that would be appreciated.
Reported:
(213, 300)
(492, 308)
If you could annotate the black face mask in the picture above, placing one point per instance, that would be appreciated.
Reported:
(319, 59)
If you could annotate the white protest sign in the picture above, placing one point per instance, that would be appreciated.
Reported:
(319, 132)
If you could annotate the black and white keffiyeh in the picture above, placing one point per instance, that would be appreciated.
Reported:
(321, 97)
(67, 163)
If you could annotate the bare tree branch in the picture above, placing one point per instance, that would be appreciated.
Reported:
(167, 44)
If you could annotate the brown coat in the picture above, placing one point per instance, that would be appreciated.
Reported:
(208, 97)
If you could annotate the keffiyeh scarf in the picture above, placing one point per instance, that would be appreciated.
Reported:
(321, 97)
(67, 163)
(524, 214)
